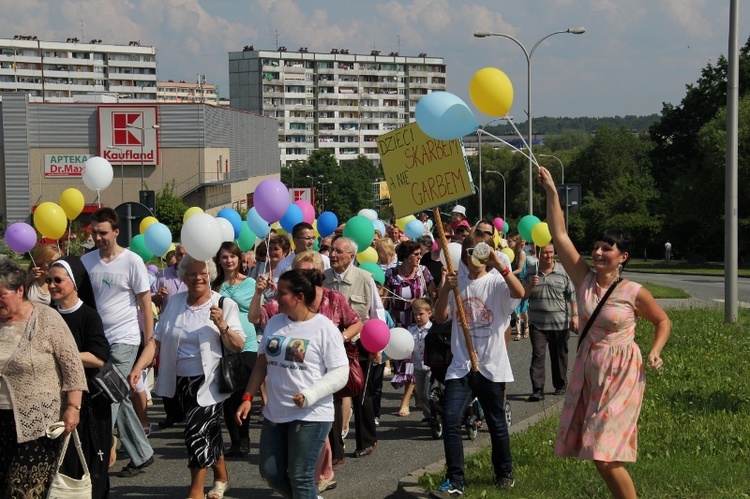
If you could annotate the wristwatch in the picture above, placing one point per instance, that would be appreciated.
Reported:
(224, 331)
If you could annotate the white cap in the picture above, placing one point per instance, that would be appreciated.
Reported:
(459, 209)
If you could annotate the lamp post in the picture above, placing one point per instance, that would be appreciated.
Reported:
(323, 194)
(529, 55)
(314, 180)
(122, 173)
(143, 139)
(562, 167)
(503, 176)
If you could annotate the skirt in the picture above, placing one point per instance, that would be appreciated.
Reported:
(202, 424)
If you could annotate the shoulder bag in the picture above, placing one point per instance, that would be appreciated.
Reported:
(110, 383)
(62, 486)
(234, 372)
(596, 311)
(356, 382)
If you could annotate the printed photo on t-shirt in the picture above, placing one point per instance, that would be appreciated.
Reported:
(295, 352)
(273, 346)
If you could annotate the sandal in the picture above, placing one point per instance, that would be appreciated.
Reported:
(218, 491)
(517, 337)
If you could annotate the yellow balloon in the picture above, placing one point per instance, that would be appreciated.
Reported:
(491, 91)
(540, 234)
(146, 223)
(279, 229)
(50, 220)
(401, 222)
(190, 212)
(496, 238)
(72, 201)
(509, 253)
(315, 228)
(171, 248)
(368, 255)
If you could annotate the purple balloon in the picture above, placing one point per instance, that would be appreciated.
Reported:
(271, 199)
(20, 237)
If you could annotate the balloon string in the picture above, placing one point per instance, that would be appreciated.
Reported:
(394, 295)
(533, 159)
(67, 247)
(33, 263)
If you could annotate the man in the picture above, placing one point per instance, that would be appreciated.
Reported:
(460, 231)
(549, 292)
(120, 283)
(359, 288)
(303, 236)
(667, 250)
(248, 261)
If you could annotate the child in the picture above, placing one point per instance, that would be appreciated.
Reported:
(422, 310)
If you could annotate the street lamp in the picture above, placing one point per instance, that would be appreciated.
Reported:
(314, 180)
(323, 194)
(503, 176)
(122, 173)
(562, 166)
(529, 55)
(143, 139)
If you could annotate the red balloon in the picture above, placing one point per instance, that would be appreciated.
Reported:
(375, 335)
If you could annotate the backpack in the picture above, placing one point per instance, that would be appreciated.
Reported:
(437, 349)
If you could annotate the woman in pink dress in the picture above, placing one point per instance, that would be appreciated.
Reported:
(600, 416)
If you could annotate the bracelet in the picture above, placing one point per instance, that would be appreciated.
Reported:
(75, 406)
(247, 398)
(505, 272)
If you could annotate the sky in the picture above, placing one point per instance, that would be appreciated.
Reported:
(634, 56)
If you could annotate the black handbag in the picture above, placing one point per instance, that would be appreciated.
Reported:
(110, 383)
(234, 369)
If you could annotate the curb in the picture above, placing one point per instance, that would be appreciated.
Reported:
(408, 486)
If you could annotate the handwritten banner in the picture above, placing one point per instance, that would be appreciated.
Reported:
(423, 172)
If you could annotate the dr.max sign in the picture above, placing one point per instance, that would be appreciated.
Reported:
(64, 165)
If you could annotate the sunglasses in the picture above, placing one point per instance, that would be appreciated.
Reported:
(56, 280)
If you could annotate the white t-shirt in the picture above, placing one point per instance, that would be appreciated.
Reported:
(488, 306)
(116, 285)
(464, 270)
(286, 263)
(298, 355)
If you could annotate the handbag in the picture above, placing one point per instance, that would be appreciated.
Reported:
(356, 382)
(110, 383)
(234, 372)
(62, 486)
(597, 310)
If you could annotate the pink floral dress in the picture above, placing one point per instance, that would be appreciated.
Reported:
(600, 415)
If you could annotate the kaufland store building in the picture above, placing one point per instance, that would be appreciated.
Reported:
(215, 156)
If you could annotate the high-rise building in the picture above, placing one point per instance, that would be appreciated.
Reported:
(332, 100)
(65, 71)
(181, 91)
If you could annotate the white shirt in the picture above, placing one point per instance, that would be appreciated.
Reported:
(419, 334)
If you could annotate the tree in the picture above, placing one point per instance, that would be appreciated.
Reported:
(170, 209)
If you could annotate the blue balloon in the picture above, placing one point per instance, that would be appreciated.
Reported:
(327, 223)
(256, 223)
(158, 238)
(414, 229)
(444, 116)
(292, 217)
(379, 226)
(234, 218)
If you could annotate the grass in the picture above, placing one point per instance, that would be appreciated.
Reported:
(694, 429)
(664, 291)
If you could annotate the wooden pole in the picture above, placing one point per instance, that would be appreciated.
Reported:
(456, 294)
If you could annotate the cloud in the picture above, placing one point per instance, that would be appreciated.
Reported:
(689, 15)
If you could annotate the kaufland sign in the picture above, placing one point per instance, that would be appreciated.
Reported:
(131, 133)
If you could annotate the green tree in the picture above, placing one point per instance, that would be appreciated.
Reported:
(170, 209)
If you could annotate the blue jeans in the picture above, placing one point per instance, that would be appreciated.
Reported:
(491, 395)
(288, 454)
(129, 427)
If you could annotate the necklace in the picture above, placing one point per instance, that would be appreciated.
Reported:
(599, 291)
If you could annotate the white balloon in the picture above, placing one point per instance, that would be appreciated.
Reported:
(201, 236)
(455, 254)
(227, 231)
(97, 173)
(368, 213)
(401, 344)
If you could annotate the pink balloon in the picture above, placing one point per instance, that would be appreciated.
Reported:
(499, 223)
(308, 212)
(271, 199)
(375, 335)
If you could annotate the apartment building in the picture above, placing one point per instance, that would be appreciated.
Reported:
(180, 91)
(332, 100)
(64, 71)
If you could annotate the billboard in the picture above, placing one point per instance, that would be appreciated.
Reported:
(131, 133)
(64, 165)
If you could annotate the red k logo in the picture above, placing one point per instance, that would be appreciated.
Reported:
(122, 135)
(298, 194)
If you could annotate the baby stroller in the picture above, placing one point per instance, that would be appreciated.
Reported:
(438, 357)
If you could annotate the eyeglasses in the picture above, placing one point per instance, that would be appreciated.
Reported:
(488, 232)
(56, 280)
(195, 275)
(310, 238)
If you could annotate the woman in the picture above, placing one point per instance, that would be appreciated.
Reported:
(386, 253)
(278, 249)
(66, 277)
(407, 282)
(37, 290)
(516, 243)
(41, 382)
(299, 412)
(188, 341)
(600, 416)
(230, 282)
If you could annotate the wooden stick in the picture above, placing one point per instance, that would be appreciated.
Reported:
(456, 294)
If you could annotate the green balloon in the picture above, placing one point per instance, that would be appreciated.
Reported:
(525, 225)
(316, 245)
(138, 246)
(375, 270)
(246, 241)
(360, 230)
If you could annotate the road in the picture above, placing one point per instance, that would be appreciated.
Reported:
(705, 288)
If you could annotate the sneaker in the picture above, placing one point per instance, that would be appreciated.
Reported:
(505, 483)
(132, 470)
(536, 396)
(324, 485)
(377, 421)
(560, 391)
(447, 490)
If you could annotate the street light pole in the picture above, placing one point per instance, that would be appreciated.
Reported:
(562, 167)
(143, 139)
(122, 173)
(503, 176)
(529, 55)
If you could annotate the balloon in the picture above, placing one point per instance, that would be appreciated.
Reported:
(375, 335)
(444, 116)
(271, 198)
(414, 229)
(292, 217)
(308, 211)
(201, 236)
(256, 224)
(401, 222)
(138, 246)
(497, 239)
(375, 270)
(499, 223)
(454, 250)
(506, 228)
(368, 213)
(146, 223)
(50, 220)
(509, 253)
(315, 229)
(327, 223)
(368, 255)
(246, 241)
(525, 225)
(153, 269)
(194, 210)
(360, 230)
(158, 238)
(279, 229)
(20, 237)
(234, 218)
(379, 226)
(401, 344)
(227, 231)
(72, 201)
(540, 234)
(97, 173)
(491, 91)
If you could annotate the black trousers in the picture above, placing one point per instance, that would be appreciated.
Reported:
(557, 342)
(334, 436)
(376, 379)
(364, 414)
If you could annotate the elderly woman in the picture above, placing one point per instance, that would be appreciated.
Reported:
(188, 340)
(41, 382)
(66, 277)
(37, 290)
(278, 249)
